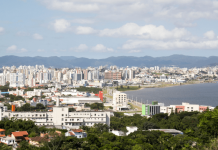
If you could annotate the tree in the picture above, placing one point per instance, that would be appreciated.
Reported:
(5, 147)
(72, 109)
(101, 127)
(87, 105)
(149, 125)
(99, 106)
(53, 140)
(40, 106)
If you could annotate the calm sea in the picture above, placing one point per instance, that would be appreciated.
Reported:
(203, 94)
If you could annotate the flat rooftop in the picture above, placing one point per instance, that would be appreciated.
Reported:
(167, 130)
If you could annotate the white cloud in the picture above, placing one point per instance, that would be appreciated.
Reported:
(70, 5)
(170, 45)
(185, 24)
(210, 35)
(176, 10)
(40, 50)
(61, 25)
(1, 29)
(23, 50)
(146, 32)
(37, 36)
(101, 48)
(12, 48)
(80, 48)
(84, 30)
(83, 21)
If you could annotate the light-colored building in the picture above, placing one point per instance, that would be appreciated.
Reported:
(8, 140)
(184, 107)
(150, 109)
(119, 99)
(79, 100)
(131, 129)
(174, 132)
(17, 79)
(78, 133)
(35, 92)
(61, 117)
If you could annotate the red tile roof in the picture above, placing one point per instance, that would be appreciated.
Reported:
(71, 133)
(19, 133)
(77, 130)
(26, 138)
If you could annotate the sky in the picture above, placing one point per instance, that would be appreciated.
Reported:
(104, 28)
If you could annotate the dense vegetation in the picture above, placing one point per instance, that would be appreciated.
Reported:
(200, 133)
(13, 97)
(28, 107)
(127, 88)
(5, 88)
(97, 106)
(89, 89)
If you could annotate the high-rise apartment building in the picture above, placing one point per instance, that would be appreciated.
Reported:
(17, 80)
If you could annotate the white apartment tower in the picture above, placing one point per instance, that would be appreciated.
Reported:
(17, 80)
(119, 99)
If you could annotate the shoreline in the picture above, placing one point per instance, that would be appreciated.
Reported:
(171, 85)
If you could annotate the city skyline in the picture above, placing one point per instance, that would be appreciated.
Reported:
(100, 29)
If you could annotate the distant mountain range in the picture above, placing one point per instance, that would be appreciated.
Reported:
(121, 61)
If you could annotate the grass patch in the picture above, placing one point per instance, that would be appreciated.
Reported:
(135, 106)
(127, 88)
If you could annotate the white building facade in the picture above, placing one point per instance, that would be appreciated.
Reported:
(61, 117)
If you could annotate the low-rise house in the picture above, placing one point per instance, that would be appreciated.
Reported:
(20, 136)
(37, 141)
(76, 133)
(8, 140)
(2, 132)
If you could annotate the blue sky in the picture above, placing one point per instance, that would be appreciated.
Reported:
(100, 29)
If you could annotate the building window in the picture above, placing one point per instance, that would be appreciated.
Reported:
(62, 114)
